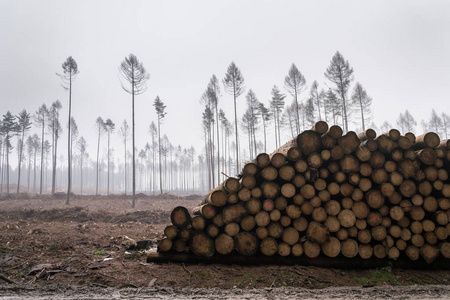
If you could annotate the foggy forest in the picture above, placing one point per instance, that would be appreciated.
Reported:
(31, 161)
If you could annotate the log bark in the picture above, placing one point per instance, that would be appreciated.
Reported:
(320, 127)
(246, 243)
(369, 134)
(217, 197)
(349, 142)
(335, 131)
(332, 248)
(311, 249)
(202, 245)
(309, 141)
(262, 160)
(426, 140)
(224, 244)
(290, 236)
(171, 232)
(349, 248)
(232, 229)
(233, 213)
(198, 223)
(165, 245)
(318, 233)
(180, 217)
(269, 246)
(270, 189)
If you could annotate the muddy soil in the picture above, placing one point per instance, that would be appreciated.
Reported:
(80, 251)
(82, 292)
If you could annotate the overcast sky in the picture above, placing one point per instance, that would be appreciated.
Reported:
(399, 50)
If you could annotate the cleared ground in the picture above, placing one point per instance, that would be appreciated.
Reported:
(79, 251)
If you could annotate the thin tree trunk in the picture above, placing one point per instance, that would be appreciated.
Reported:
(159, 150)
(69, 145)
(362, 116)
(297, 123)
(54, 166)
(125, 164)
(345, 111)
(42, 156)
(211, 140)
(20, 159)
(265, 140)
(236, 129)
(7, 169)
(218, 146)
(107, 190)
(133, 204)
(81, 174)
(207, 158)
(278, 121)
(28, 173)
(275, 124)
(34, 173)
(98, 153)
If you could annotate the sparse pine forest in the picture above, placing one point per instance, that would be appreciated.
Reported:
(30, 140)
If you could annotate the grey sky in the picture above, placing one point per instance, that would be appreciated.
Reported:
(400, 52)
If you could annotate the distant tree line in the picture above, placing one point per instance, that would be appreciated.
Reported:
(161, 166)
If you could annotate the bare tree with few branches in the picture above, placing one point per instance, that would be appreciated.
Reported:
(266, 116)
(234, 85)
(160, 112)
(363, 101)
(124, 133)
(23, 120)
(100, 126)
(133, 71)
(9, 128)
(213, 92)
(295, 82)
(82, 147)
(406, 122)
(70, 71)
(40, 118)
(340, 73)
(56, 129)
(109, 126)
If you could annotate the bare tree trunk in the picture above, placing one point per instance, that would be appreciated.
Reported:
(159, 148)
(297, 121)
(69, 150)
(278, 121)
(362, 116)
(133, 139)
(42, 157)
(98, 153)
(20, 159)
(236, 129)
(34, 173)
(345, 112)
(218, 146)
(54, 166)
(207, 157)
(211, 141)
(125, 164)
(81, 175)
(28, 175)
(107, 189)
(7, 169)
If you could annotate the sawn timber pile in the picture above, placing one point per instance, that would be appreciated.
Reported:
(325, 194)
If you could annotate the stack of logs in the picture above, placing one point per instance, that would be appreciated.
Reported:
(325, 192)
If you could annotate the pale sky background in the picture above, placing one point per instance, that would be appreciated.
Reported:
(399, 50)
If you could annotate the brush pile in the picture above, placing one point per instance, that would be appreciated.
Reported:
(328, 194)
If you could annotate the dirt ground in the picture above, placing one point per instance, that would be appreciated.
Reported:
(79, 251)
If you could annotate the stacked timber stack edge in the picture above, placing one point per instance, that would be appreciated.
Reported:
(325, 194)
